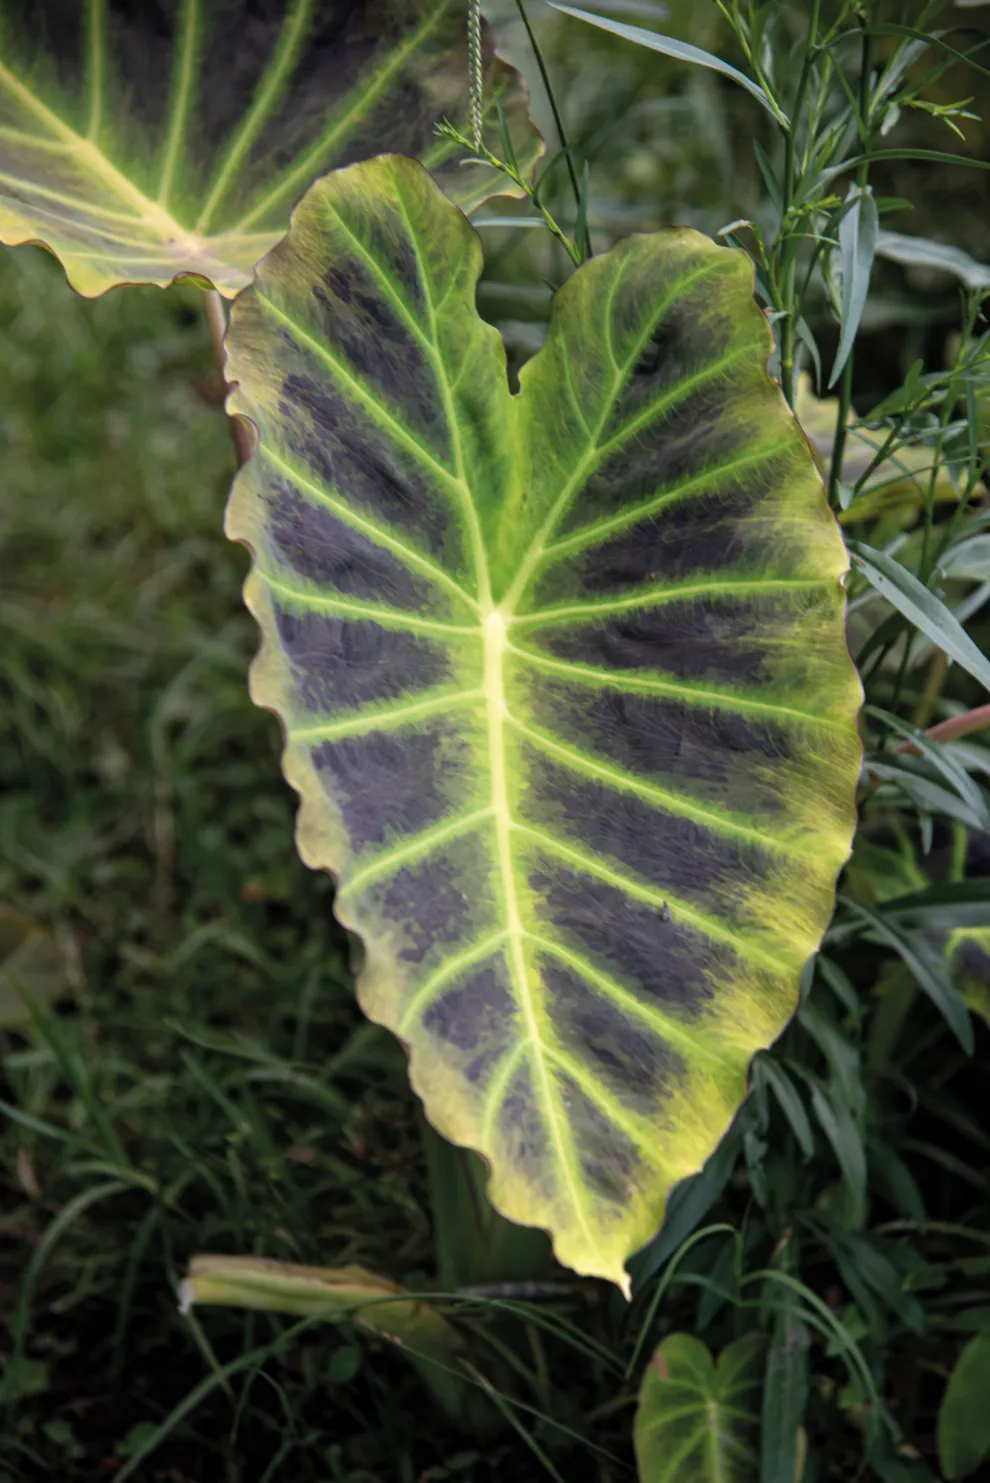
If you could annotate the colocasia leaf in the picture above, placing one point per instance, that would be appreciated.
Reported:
(563, 676)
(141, 142)
(697, 1422)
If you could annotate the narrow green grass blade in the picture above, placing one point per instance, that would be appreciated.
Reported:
(927, 967)
(563, 678)
(682, 51)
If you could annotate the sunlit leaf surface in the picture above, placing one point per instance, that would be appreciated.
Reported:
(143, 142)
(563, 676)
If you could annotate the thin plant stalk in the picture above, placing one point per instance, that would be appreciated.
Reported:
(551, 99)
(789, 302)
(953, 728)
(862, 175)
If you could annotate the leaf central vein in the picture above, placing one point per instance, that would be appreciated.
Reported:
(533, 1012)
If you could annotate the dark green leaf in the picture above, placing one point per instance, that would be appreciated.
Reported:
(841, 1055)
(840, 984)
(836, 1122)
(689, 1204)
(948, 904)
(964, 1415)
(785, 1397)
(927, 968)
(789, 1099)
(893, 1177)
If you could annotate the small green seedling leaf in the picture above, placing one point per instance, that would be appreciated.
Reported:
(564, 681)
(344, 1364)
(858, 243)
(964, 1415)
(143, 143)
(697, 1422)
(681, 51)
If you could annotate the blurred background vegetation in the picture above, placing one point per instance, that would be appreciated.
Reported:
(196, 1075)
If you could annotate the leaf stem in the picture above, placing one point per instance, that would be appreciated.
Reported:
(475, 70)
(216, 323)
(484, 154)
(551, 99)
(862, 175)
(788, 327)
(954, 727)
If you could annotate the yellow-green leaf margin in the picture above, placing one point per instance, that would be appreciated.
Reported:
(145, 142)
(563, 677)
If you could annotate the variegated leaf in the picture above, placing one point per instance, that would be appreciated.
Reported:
(564, 681)
(141, 142)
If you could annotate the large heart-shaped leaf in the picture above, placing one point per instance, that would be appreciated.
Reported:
(697, 1422)
(143, 142)
(563, 676)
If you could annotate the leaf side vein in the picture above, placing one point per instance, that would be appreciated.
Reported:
(667, 799)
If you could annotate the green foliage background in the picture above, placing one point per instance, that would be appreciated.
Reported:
(205, 1081)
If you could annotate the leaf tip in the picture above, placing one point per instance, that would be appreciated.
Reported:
(186, 1297)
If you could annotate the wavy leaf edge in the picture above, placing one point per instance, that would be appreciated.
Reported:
(267, 685)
